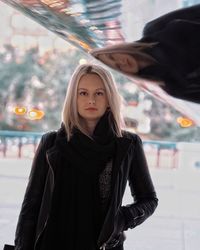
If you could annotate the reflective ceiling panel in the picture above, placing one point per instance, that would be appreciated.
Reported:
(89, 24)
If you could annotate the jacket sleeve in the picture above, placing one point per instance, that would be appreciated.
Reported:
(27, 220)
(142, 189)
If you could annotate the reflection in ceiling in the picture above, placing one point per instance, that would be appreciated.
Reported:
(89, 24)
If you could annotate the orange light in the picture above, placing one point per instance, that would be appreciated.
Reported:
(35, 114)
(184, 122)
(81, 43)
(84, 45)
(19, 110)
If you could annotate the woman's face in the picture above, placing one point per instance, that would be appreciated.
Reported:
(92, 100)
(124, 62)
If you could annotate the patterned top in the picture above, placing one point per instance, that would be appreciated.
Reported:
(105, 184)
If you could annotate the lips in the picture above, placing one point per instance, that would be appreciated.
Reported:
(92, 109)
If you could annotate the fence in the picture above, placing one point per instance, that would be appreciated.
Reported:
(12, 143)
(161, 154)
(23, 144)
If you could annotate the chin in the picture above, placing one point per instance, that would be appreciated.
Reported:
(129, 69)
(91, 117)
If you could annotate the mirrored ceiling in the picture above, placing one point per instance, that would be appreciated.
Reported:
(90, 24)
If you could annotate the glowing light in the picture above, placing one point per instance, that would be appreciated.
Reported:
(49, 2)
(82, 61)
(184, 122)
(93, 28)
(84, 21)
(84, 45)
(35, 114)
(76, 14)
(67, 11)
(19, 110)
(81, 43)
(53, 5)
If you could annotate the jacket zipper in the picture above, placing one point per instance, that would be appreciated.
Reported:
(40, 233)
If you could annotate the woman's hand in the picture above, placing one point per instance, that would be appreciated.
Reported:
(117, 235)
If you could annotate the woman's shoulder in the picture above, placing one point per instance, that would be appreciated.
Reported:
(49, 137)
(130, 135)
(49, 134)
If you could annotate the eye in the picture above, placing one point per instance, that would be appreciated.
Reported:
(110, 56)
(83, 93)
(99, 93)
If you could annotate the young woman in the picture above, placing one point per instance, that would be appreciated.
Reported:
(73, 200)
(168, 53)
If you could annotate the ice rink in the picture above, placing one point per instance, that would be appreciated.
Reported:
(174, 226)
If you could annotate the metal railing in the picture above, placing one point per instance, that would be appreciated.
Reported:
(19, 139)
(154, 150)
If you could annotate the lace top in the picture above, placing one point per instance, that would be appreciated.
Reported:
(105, 183)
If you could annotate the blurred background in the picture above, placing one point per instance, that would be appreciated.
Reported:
(35, 68)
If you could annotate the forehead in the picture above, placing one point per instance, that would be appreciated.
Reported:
(91, 80)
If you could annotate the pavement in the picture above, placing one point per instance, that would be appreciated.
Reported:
(175, 224)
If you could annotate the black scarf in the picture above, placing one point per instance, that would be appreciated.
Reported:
(76, 217)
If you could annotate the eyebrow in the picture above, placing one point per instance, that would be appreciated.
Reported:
(95, 89)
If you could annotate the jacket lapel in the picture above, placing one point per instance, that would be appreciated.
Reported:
(122, 147)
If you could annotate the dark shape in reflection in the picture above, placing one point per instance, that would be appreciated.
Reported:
(168, 52)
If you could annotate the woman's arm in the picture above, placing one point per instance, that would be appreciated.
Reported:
(27, 221)
(142, 189)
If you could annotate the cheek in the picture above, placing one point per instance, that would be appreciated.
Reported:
(79, 103)
(133, 62)
(105, 59)
(104, 103)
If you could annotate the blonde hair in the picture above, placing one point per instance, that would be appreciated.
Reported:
(136, 49)
(70, 116)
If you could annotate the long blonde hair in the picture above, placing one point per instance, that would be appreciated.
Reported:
(137, 49)
(70, 116)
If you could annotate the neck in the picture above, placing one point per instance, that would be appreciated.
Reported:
(90, 126)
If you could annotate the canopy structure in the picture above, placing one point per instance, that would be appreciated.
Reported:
(91, 24)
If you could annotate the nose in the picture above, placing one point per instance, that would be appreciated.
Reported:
(91, 101)
(122, 61)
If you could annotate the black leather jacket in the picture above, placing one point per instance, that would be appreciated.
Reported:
(131, 167)
(177, 52)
